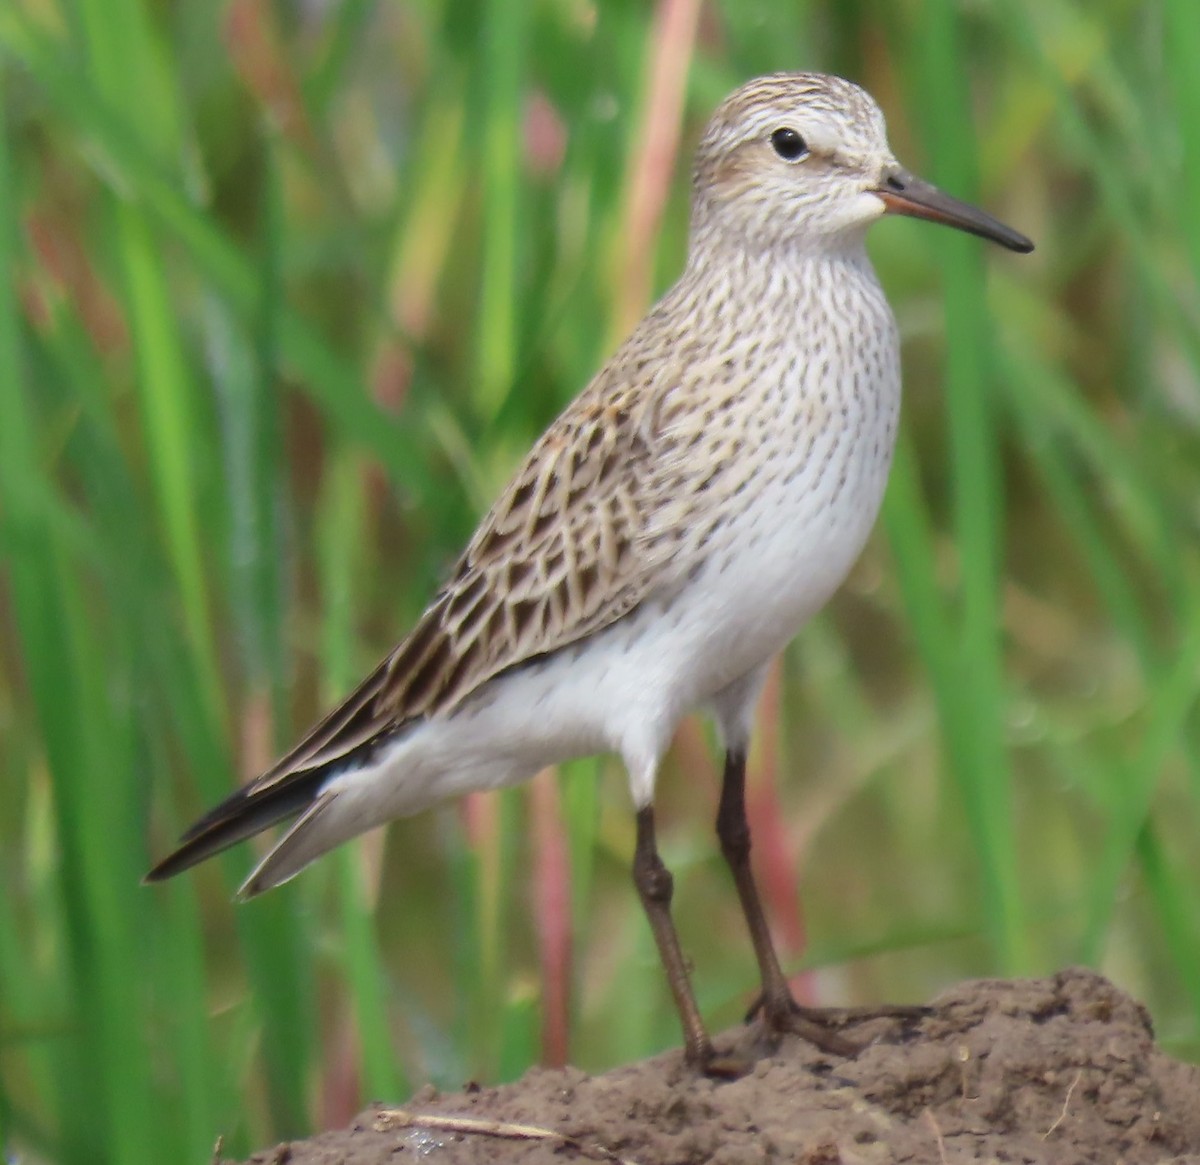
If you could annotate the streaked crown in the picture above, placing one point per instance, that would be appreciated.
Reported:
(792, 157)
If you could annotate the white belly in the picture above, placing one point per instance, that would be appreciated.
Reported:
(625, 689)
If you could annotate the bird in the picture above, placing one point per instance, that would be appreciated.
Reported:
(666, 537)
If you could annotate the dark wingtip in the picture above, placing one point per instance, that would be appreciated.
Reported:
(1018, 242)
(191, 853)
(239, 816)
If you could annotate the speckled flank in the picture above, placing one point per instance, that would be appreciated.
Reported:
(675, 527)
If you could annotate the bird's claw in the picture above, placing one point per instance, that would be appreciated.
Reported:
(820, 1025)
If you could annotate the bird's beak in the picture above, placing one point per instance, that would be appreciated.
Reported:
(903, 193)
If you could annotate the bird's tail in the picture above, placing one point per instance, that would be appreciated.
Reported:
(239, 816)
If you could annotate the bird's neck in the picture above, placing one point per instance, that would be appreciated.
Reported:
(802, 307)
(779, 278)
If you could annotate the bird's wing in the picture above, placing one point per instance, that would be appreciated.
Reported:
(601, 516)
(574, 542)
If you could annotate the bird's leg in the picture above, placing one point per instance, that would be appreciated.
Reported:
(780, 1011)
(654, 886)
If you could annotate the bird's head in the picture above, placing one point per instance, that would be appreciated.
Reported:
(804, 158)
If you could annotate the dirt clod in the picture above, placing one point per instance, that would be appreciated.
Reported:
(1057, 1071)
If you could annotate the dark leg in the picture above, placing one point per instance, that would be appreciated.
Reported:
(780, 1010)
(654, 886)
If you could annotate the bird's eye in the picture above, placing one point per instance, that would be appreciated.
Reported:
(789, 145)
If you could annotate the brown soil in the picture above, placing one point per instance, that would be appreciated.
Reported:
(1061, 1070)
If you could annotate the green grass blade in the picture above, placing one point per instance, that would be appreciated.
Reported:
(981, 765)
(344, 535)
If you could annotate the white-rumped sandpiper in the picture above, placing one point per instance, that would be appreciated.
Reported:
(666, 537)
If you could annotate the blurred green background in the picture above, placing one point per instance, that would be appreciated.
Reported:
(287, 289)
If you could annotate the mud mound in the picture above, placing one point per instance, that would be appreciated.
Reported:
(1061, 1070)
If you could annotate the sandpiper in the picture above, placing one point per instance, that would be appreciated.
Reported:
(665, 538)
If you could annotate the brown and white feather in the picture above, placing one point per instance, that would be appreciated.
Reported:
(670, 531)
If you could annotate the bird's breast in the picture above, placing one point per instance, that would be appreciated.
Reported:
(782, 469)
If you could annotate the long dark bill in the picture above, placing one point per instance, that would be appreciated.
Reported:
(904, 193)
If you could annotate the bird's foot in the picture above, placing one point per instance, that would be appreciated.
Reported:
(726, 1066)
(701, 1056)
(821, 1026)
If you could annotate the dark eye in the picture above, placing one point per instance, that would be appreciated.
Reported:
(789, 145)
